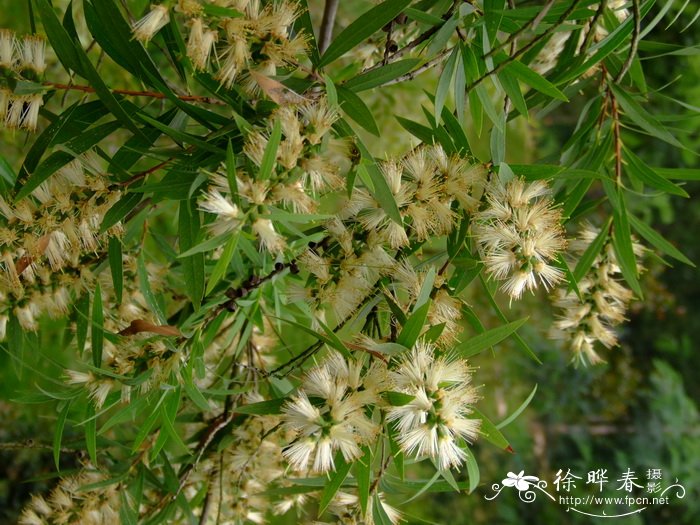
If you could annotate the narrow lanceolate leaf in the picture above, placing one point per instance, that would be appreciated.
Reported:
(586, 261)
(445, 82)
(357, 110)
(193, 265)
(642, 118)
(490, 433)
(363, 474)
(481, 342)
(637, 168)
(97, 327)
(414, 326)
(270, 155)
(342, 468)
(362, 28)
(622, 242)
(380, 76)
(517, 411)
(58, 433)
(91, 433)
(116, 266)
(535, 80)
(654, 238)
(381, 191)
(271, 406)
(222, 264)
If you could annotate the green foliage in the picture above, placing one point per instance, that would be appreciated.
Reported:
(219, 287)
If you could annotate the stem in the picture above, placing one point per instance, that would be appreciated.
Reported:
(425, 67)
(634, 43)
(131, 93)
(532, 43)
(326, 33)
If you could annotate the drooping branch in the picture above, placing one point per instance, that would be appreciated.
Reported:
(133, 93)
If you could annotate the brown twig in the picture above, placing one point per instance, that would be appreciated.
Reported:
(422, 69)
(532, 43)
(326, 32)
(634, 44)
(132, 93)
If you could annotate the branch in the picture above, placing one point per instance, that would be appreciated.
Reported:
(530, 24)
(425, 67)
(131, 93)
(326, 33)
(532, 43)
(635, 41)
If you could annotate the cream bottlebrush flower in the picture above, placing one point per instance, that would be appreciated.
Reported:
(592, 319)
(338, 422)
(436, 420)
(228, 217)
(200, 44)
(152, 22)
(7, 48)
(519, 234)
(33, 54)
(270, 240)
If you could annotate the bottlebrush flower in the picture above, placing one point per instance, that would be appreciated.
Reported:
(519, 234)
(155, 20)
(436, 420)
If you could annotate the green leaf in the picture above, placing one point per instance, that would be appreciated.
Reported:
(144, 283)
(82, 309)
(231, 174)
(640, 116)
(481, 342)
(512, 88)
(679, 173)
(472, 469)
(270, 155)
(91, 433)
(97, 327)
(397, 399)
(521, 342)
(58, 159)
(342, 468)
(58, 433)
(426, 289)
(193, 265)
(222, 264)
(381, 75)
(655, 239)
(263, 408)
(380, 190)
(119, 210)
(414, 326)
(649, 177)
(592, 251)
(517, 411)
(490, 433)
(622, 242)
(361, 28)
(363, 474)
(116, 266)
(534, 80)
(357, 110)
(445, 82)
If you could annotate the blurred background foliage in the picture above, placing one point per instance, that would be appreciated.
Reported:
(638, 411)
